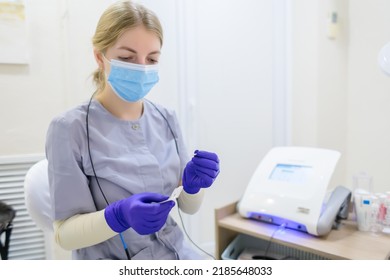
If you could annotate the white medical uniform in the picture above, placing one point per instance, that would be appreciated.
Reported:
(129, 157)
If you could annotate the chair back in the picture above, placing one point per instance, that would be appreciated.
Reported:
(37, 195)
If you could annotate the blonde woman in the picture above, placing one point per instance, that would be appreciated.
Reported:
(114, 161)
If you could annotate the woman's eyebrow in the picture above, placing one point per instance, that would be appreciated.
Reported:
(134, 51)
(155, 52)
(127, 49)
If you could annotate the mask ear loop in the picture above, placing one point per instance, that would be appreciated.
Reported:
(106, 59)
(104, 69)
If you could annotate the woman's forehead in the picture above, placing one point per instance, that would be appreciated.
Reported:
(138, 39)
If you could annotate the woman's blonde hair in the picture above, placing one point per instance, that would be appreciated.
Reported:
(116, 19)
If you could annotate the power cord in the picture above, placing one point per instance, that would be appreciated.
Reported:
(282, 226)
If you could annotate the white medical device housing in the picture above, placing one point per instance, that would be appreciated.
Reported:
(289, 187)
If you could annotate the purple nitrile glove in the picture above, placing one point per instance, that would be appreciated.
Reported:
(200, 172)
(139, 212)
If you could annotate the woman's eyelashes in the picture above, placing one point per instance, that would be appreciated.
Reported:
(129, 58)
(134, 60)
(152, 61)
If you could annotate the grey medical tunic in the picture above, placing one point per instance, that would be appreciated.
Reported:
(129, 157)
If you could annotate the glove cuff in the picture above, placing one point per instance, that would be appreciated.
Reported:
(192, 190)
(112, 220)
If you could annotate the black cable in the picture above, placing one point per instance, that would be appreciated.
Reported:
(97, 180)
(101, 190)
(89, 152)
(169, 126)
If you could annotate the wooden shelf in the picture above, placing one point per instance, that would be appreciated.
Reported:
(346, 242)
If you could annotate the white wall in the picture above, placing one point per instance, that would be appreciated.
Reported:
(368, 131)
(27, 89)
(339, 95)
(319, 75)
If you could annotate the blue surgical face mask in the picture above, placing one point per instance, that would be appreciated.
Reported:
(132, 82)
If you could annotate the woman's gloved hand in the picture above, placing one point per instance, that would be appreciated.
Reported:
(200, 172)
(139, 212)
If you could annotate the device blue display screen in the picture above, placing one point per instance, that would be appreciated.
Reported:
(295, 174)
